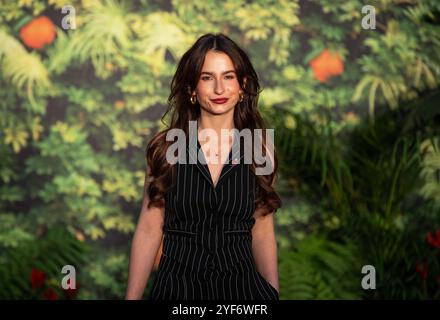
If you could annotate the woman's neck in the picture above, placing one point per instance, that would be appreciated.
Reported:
(215, 123)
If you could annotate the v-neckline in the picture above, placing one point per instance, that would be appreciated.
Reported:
(205, 164)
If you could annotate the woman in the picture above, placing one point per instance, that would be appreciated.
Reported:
(215, 217)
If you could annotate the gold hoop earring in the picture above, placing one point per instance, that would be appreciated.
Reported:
(241, 97)
(193, 99)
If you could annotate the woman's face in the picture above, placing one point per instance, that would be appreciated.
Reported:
(218, 80)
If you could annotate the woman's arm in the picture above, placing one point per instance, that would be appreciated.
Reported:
(144, 248)
(264, 248)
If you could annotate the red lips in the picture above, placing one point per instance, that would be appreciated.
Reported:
(219, 101)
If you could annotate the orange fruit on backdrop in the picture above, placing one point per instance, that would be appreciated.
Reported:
(38, 32)
(327, 64)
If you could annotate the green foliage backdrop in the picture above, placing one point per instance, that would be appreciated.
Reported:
(355, 113)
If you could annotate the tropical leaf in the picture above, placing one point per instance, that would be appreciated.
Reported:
(320, 269)
(23, 69)
(49, 255)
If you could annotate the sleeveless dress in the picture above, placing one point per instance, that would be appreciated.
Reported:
(207, 234)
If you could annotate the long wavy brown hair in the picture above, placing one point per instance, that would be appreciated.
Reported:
(160, 174)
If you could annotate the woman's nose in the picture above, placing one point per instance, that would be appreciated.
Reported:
(219, 87)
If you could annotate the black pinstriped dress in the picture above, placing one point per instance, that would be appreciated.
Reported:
(207, 235)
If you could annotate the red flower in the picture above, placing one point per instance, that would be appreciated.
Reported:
(37, 33)
(327, 64)
(434, 240)
(38, 278)
(50, 294)
(71, 293)
(422, 270)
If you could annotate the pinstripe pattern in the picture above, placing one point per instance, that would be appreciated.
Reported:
(207, 235)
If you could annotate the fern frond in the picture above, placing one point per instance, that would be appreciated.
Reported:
(49, 255)
(320, 269)
(24, 70)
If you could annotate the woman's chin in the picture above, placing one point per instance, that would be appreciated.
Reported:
(219, 109)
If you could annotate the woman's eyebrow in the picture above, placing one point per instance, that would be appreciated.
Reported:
(212, 73)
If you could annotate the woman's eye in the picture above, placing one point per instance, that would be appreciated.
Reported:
(204, 78)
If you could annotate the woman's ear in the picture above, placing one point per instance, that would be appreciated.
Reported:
(244, 82)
